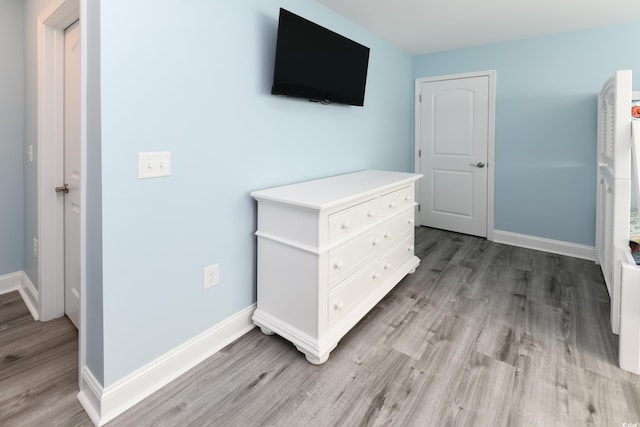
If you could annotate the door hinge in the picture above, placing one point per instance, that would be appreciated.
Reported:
(419, 153)
(419, 97)
(418, 207)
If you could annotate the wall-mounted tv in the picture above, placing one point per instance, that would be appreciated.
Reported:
(318, 64)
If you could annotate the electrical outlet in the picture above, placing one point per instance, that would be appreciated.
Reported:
(35, 247)
(211, 276)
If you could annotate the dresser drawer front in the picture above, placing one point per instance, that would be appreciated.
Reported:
(397, 227)
(392, 202)
(406, 196)
(368, 212)
(342, 222)
(345, 259)
(396, 256)
(351, 291)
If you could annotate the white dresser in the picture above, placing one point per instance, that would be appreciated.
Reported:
(328, 251)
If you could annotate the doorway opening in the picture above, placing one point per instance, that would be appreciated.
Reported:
(51, 25)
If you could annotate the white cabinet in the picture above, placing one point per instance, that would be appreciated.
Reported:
(328, 251)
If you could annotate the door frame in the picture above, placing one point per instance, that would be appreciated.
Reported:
(51, 23)
(491, 74)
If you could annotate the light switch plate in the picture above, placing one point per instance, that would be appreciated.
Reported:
(153, 165)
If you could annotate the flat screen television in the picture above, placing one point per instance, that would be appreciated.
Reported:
(318, 64)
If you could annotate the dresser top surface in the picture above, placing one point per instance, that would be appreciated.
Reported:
(327, 192)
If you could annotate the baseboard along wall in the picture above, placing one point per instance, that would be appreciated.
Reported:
(546, 245)
(20, 282)
(103, 404)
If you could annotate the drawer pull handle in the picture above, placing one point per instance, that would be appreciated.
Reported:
(407, 198)
(345, 225)
(387, 234)
(338, 265)
(387, 266)
(392, 205)
(375, 242)
(375, 275)
(371, 214)
(338, 306)
(410, 221)
(410, 248)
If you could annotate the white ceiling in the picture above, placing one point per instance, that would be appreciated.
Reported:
(424, 26)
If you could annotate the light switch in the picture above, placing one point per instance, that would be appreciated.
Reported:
(153, 165)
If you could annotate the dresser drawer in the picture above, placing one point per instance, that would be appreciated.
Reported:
(368, 212)
(346, 258)
(396, 256)
(342, 222)
(395, 228)
(398, 199)
(345, 296)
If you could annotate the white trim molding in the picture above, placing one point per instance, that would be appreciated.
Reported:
(20, 282)
(104, 404)
(30, 296)
(546, 245)
(10, 282)
(90, 396)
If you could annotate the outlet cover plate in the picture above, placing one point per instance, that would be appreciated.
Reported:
(211, 276)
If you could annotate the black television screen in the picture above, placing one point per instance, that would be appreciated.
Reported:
(318, 64)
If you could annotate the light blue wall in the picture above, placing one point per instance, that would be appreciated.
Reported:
(93, 331)
(193, 77)
(11, 109)
(545, 176)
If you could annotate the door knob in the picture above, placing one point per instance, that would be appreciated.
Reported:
(479, 164)
(63, 189)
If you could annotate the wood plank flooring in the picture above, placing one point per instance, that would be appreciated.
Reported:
(38, 368)
(482, 334)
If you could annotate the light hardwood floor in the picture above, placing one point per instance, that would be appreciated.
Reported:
(482, 334)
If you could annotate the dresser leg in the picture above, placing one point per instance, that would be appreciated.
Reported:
(413, 270)
(316, 360)
(266, 331)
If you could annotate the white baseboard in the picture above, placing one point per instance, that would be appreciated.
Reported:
(29, 295)
(104, 404)
(90, 395)
(10, 282)
(20, 282)
(546, 245)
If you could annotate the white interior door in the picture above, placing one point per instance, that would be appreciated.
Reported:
(72, 173)
(453, 140)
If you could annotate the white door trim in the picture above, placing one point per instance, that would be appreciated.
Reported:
(491, 139)
(51, 23)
